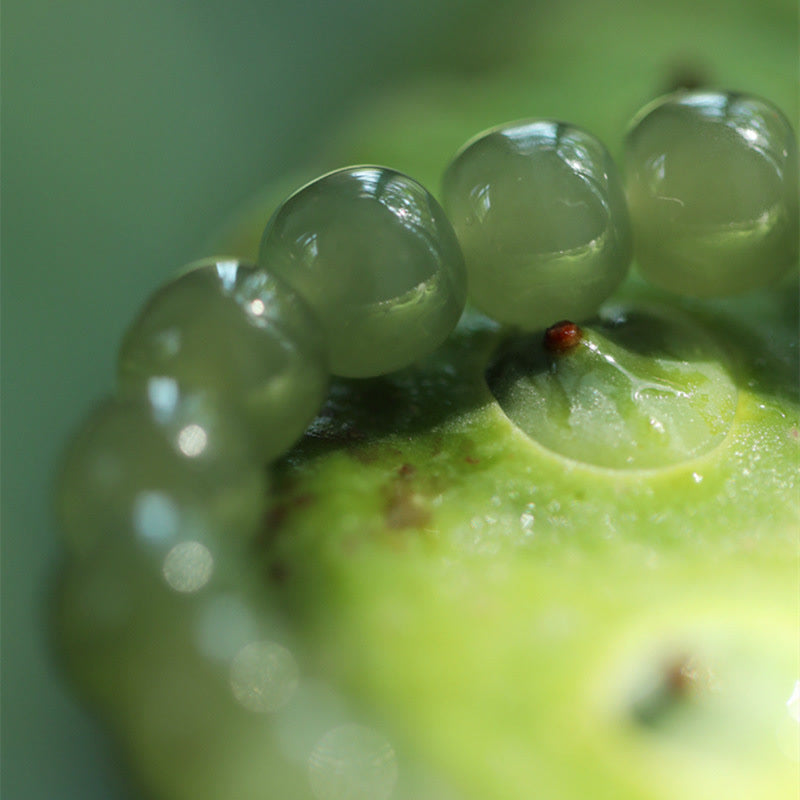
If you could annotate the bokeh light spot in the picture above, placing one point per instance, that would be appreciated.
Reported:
(352, 762)
(188, 567)
(264, 676)
(192, 440)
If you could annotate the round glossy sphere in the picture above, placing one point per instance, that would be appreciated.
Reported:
(373, 253)
(236, 333)
(174, 473)
(712, 181)
(541, 216)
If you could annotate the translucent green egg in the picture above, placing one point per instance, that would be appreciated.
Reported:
(374, 255)
(239, 334)
(712, 181)
(175, 476)
(541, 217)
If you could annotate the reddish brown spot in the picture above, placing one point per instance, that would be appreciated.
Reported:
(406, 511)
(680, 677)
(562, 337)
(472, 460)
(276, 516)
(407, 471)
(405, 507)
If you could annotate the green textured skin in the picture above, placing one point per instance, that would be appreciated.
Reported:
(516, 623)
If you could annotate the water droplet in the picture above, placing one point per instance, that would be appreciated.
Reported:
(264, 676)
(697, 477)
(188, 567)
(352, 762)
(526, 520)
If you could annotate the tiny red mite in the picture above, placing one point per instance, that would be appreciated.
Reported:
(562, 337)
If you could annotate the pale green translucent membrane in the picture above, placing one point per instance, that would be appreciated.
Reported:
(176, 480)
(712, 182)
(196, 685)
(237, 333)
(373, 253)
(642, 393)
(541, 216)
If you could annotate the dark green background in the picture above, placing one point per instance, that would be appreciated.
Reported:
(129, 130)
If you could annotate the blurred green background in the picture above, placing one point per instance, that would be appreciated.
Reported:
(130, 130)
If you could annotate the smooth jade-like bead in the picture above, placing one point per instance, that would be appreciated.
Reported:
(236, 333)
(712, 181)
(177, 472)
(541, 216)
(373, 253)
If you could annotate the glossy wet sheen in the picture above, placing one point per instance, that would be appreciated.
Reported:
(640, 391)
(540, 214)
(712, 181)
(234, 332)
(156, 477)
(373, 254)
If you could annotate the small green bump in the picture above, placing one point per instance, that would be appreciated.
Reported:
(712, 182)
(640, 391)
(373, 254)
(541, 216)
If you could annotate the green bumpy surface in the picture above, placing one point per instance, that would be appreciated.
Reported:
(540, 213)
(712, 182)
(374, 255)
(237, 334)
(473, 615)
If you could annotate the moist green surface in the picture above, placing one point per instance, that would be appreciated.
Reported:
(515, 623)
(489, 596)
(638, 390)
